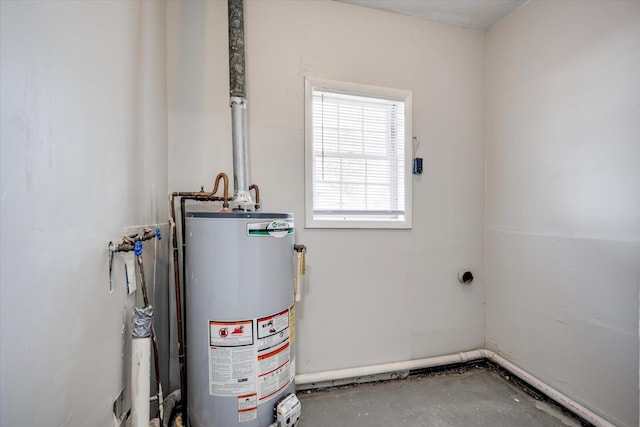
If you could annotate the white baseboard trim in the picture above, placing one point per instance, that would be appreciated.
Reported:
(400, 369)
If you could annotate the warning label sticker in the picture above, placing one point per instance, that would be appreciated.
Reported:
(232, 358)
(273, 371)
(292, 323)
(247, 407)
(250, 360)
(231, 334)
(273, 330)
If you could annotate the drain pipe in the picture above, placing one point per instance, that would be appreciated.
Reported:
(238, 103)
(140, 365)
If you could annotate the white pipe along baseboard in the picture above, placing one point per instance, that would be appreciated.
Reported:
(467, 356)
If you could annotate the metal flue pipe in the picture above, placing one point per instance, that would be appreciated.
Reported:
(238, 102)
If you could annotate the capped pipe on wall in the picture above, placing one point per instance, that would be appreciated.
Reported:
(465, 277)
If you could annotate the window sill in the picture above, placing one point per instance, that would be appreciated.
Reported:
(357, 224)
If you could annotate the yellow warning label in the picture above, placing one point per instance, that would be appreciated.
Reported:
(292, 323)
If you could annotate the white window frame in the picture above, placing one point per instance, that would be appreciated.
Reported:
(405, 96)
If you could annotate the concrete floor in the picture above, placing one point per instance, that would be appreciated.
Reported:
(475, 396)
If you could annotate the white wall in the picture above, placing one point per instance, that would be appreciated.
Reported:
(563, 198)
(370, 296)
(83, 155)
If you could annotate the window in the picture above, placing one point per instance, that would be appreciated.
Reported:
(357, 156)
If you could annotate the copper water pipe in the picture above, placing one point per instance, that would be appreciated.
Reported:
(257, 190)
(225, 193)
(202, 196)
(176, 281)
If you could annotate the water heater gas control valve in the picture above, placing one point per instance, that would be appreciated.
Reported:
(288, 412)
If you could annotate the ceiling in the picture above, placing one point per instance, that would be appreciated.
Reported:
(474, 14)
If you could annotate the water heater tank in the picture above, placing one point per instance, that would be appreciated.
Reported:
(239, 317)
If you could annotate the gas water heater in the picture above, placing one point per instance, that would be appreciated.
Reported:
(240, 320)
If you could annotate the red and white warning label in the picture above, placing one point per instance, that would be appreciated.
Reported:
(232, 358)
(231, 334)
(273, 371)
(247, 407)
(273, 330)
(251, 360)
(274, 351)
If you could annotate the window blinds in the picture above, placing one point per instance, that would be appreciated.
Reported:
(358, 157)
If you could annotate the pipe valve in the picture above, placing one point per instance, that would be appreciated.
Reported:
(300, 265)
